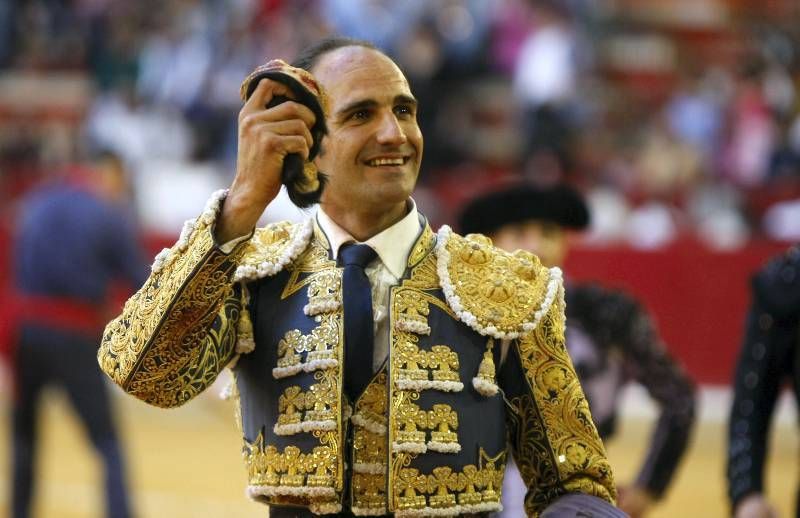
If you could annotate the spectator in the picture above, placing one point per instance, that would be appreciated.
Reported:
(74, 238)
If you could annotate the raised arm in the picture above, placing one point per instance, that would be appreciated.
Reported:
(767, 356)
(179, 330)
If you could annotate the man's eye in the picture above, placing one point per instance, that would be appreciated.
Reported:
(360, 115)
(403, 110)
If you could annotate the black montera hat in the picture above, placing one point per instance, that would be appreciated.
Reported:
(303, 181)
(560, 204)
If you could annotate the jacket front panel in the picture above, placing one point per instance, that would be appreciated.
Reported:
(435, 419)
(290, 391)
(420, 439)
(447, 441)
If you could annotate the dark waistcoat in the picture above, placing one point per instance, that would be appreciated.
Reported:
(420, 437)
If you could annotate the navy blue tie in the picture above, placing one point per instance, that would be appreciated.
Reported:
(359, 335)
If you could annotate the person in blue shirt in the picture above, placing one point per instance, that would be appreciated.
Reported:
(75, 236)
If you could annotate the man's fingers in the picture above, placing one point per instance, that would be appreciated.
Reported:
(263, 94)
(293, 127)
(286, 111)
(294, 144)
(257, 123)
(292, 110)
(252, 113)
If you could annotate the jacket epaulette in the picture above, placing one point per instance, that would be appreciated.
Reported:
(497, 293)
(272, 248)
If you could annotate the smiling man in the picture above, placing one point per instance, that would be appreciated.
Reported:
(363, 344)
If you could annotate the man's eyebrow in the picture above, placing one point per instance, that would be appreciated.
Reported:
(371, 103)
(406, 99)
(357, 105)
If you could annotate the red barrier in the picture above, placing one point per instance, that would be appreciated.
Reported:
(697, 297)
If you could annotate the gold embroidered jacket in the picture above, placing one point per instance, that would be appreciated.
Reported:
(429, 434)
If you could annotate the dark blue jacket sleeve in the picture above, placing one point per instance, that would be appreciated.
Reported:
(767, 356)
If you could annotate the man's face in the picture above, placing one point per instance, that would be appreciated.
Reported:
(545, 239)
(373, 149)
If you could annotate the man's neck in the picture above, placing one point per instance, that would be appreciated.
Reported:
(365, 224)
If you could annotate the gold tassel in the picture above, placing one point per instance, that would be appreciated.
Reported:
(244, 328)
(310, 181)
(485, 382)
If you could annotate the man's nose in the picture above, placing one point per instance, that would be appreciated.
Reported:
(390, 131)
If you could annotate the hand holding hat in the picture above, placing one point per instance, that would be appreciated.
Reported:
(281, 126)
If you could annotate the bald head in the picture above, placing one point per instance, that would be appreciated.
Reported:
(355, 60)
(310, 55)
(373, 149)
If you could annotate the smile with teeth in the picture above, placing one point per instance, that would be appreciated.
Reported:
(375, 162)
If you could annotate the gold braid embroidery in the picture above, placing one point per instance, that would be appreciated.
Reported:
(372, 402)
(423, 275)
(474, 489)
(177, 332)
(441, 418)
(411, 422)
(556, 419)
(439, 482)
(321, 399)
(313, 260)
(324, 292)
(320, 346)
(369, 449)
(301, 477)
(409, 482)
(422, 247)
(369, 493)
(502, 290)
(270, 249)
(532, 454)
(291, 472)
(324, 288)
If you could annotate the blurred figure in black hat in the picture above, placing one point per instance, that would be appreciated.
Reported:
(767, 358)
(610, 337)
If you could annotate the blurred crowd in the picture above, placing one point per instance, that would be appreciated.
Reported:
(677, 119)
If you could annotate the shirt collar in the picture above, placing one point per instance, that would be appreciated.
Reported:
(392, 244)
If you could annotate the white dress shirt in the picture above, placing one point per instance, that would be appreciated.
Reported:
(393, 246)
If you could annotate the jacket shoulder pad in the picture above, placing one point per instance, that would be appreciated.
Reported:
(272, 248)
(497, 293)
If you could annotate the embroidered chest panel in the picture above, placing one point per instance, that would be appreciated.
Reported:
(437, 434)
(290, 386)
(420, 445)
(496, 293)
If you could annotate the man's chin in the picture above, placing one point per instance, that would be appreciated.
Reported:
(390, 174)
(399, 185)
(400, 194)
